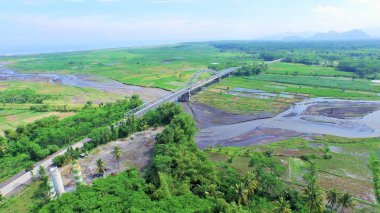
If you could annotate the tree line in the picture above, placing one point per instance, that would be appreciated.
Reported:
(359, 57)
(22, 96)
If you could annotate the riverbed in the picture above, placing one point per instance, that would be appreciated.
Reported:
(84, 81)
(315, 116)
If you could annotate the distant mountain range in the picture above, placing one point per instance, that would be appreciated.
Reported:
(329, 36)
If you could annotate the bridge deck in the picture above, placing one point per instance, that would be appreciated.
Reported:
(140, 111)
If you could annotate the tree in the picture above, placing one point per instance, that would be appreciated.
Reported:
(116, 152)
(3, 146)
(346, 201)
(314, 195)
(245, 188)
(332, 198)
(30, 168)
(240, 194)
(1, 197)
(42, 173)
(282, 206)
(100, 166)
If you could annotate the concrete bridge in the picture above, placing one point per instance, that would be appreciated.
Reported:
(183, 94)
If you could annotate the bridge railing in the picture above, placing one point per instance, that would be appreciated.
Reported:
(192, 84)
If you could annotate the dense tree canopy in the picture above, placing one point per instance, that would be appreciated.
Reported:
(359, 57)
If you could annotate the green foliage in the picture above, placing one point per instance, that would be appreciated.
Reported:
(225, 65)
(346, 201)
(67, 158)
(345, 84)
(100, 166)
(362, 67)
(124, 193)
(313, 194)
(21, 96)
(268, 170)
(59, 160)
(116, 153)
(332, 198)
(252, 69)
(375, 167)
(282, 206)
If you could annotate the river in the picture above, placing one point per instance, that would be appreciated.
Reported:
(301, 119)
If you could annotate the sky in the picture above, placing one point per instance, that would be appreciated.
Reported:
(111, 23)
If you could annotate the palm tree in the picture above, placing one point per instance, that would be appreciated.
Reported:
(3, 149)
(332, 198)
(250, 182)
(100, 166)
(282, 206)
(240, 193)
(245, 188)
(346, 201)
(116, 152)
(314, 195)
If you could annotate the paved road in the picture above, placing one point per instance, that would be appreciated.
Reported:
(24, 177)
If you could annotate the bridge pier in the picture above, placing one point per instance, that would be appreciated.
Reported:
(185, 97)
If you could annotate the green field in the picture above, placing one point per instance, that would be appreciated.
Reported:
(216, 97)
(166, 67)
(22, 202)
(314, 81)
(347, 170)
(301, 69)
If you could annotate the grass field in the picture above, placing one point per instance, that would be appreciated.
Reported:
(217, 97)
(23, 202)
(326, 82)
(348, 169)
(166, 67)
(301, 69)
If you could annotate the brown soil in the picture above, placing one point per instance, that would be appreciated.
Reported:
(136, 153)
(359, 188)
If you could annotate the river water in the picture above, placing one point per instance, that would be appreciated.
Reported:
(297, 119)
(84, 81)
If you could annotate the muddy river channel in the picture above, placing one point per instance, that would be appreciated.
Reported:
(316, 116)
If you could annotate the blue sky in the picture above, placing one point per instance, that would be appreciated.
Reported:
(118, 22)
